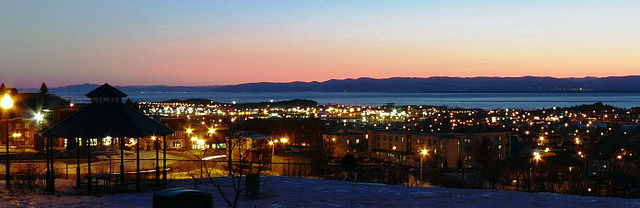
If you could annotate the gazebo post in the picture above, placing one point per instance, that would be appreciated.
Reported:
(138, 164)
(88, 143)
(164, 162)
(52, 172)
(46, 158)
(77, 162)
(121, 160)
(157, 161)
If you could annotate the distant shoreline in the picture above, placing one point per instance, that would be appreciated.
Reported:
(623, 84)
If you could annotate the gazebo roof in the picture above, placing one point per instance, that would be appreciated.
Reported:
(105, 90)
(99, 120)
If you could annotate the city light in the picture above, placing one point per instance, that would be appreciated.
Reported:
(424, 151)
(284, 140)
(189, 130)
(212, 131)
(536, 156)
(17, 134)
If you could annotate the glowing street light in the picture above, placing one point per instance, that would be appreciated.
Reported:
(39, 117)
(284, 140)
(189, 131)
(7, 102)
(212, 131)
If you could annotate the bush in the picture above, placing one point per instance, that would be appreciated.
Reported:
(29, 178)
(349, 162)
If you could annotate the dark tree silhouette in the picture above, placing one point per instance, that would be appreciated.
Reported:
(44, 89)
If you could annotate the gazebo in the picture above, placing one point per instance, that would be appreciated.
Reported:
(105, 117)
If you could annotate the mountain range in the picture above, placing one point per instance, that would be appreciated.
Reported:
(629, 84)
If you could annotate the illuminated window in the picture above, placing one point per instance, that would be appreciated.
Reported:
(106, 141)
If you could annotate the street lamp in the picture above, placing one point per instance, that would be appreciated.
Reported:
(284, 141)
(7, 103)
(423, 153)
(273, 146)
(537, 157)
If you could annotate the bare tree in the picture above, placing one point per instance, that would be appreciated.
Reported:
(237, 151)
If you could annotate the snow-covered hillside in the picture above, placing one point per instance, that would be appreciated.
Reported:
(302, 192)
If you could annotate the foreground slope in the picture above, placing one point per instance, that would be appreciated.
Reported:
(301, 192)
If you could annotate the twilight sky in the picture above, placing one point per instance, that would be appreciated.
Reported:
(231, 42)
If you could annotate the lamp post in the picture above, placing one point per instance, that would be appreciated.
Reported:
(423, 153)
(537, 157)
(7, 103)
(284, 141)
(273, 149)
